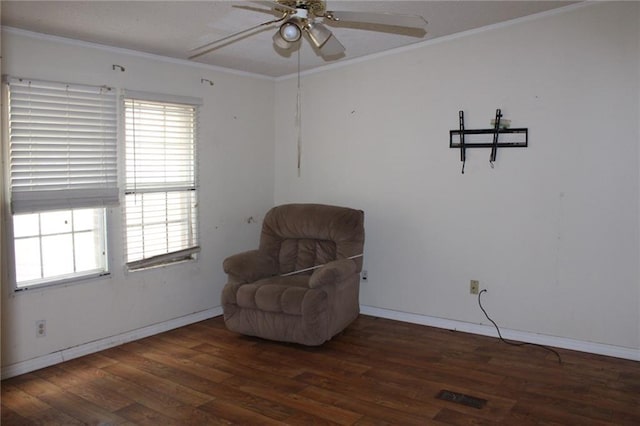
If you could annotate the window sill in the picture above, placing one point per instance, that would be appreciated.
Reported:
(186, 255)
(60, 282)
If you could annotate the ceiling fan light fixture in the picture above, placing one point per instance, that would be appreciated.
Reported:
(290, 32)
(318, 33)
(280, 42)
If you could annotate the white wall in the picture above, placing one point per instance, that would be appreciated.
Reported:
(552, 232)
(236, 183)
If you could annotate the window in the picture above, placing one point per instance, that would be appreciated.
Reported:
(160, 181)
(58, 244)
(62, 176)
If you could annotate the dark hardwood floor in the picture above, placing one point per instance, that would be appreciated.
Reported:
(377, 372)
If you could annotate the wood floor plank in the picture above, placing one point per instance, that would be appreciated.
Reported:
(187, 365)
(311, 357)
(8, 416)
(308, 419)
(54, 417)
(418, 365)
(141, 415)
(375, 392)
(543, 413)
(98, 395)
(369, 409)
(21, 402)
(246, 359)
(236, 414)
(165, 403)
(66, 402)
(498, 406)
(245, 369)
(160, 375)
(181, 393)
(377, 372)
(581, 394)
(296, 401)
(270, 407)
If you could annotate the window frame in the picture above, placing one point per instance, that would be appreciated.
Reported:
(189, 254)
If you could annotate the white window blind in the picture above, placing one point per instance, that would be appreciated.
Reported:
(62, 146)
(160, 182)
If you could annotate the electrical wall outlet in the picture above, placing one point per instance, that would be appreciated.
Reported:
(365, 275)
(41, 328)
(474, 286)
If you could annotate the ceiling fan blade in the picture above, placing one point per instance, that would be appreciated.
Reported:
(274, 5)
(392, 19)
(206, 48)
(252, 8)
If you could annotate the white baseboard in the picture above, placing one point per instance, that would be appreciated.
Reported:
(106, 343)
(520, 336)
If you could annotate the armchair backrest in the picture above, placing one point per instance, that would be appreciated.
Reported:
(300, 236)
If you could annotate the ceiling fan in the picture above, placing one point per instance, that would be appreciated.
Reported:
(308, 18)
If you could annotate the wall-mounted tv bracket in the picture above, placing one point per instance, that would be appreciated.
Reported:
(487, 138)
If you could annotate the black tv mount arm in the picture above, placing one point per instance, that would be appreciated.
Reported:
(465, 138)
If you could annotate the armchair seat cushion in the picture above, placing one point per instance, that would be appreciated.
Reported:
(275, 294)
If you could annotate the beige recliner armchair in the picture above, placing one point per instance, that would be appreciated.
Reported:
(267, 295)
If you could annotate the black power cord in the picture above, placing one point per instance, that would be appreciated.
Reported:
(514, 343)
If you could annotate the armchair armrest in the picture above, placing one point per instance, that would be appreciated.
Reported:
(332, 272)
(250, 266)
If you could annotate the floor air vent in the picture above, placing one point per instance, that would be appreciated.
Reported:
(460, 398)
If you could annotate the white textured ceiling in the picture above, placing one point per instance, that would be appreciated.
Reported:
(172, 28)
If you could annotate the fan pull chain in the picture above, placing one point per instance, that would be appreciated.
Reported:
(299, 118)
